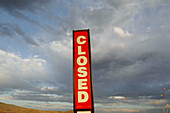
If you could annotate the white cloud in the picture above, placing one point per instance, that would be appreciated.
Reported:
(16, 70)
(48, 89)
(62, 47)
(116, 97)
(122, 33)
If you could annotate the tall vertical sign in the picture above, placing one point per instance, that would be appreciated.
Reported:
(82, 72)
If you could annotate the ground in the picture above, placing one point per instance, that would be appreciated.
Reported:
(8, 108)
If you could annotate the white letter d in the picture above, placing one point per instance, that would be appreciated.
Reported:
(80, 96)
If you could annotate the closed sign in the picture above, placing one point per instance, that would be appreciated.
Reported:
(82, 72)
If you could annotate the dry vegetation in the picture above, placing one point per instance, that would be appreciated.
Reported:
(7, 108)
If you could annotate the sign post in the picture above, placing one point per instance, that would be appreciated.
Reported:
(82, 72)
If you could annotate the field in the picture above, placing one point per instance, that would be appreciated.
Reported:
(8, 108)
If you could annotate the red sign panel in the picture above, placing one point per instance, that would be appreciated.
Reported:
(82, 72)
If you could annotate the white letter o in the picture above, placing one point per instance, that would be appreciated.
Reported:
(84, 60)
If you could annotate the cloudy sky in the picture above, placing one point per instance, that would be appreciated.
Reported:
(130, 53)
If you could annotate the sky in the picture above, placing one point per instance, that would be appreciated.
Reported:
(130, 53)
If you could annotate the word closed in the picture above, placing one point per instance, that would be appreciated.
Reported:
(82, 73)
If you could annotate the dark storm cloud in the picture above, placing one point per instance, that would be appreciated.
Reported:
(98, 17)
(10, 30)
(5, 30)
(145, 75)
(138, 69)
(17, 7)
(30, 5)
